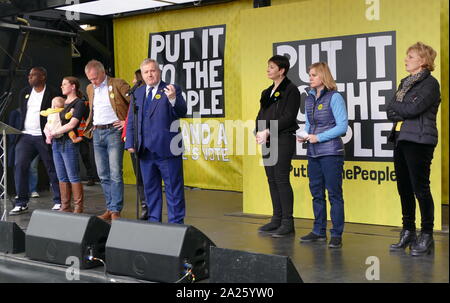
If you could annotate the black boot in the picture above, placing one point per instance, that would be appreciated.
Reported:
(286, 229)
(144, 213)
(274, 223)
(407, 237)
(423, 246)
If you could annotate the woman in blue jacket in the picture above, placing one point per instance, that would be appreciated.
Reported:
(326, 122)
(414, 109)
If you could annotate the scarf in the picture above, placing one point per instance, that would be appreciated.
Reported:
(409, 82)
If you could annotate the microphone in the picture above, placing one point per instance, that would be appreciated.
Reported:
(138, 83)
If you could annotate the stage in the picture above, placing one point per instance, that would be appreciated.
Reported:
(218, 214)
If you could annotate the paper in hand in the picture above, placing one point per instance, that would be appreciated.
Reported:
(302, 134)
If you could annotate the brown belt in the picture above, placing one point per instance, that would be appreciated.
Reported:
(104, 126)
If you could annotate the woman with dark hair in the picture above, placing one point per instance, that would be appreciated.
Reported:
(275, 128)
(326, 121)
(413, 110)
(65, 152)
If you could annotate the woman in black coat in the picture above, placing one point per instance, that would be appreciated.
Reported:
(414, 109)
(275, 126)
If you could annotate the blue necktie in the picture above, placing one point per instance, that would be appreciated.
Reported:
(149, 93)
(148, 100)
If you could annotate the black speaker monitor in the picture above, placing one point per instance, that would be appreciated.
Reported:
(236, 266)
(53, 236)
(12, 238)
(157, 252)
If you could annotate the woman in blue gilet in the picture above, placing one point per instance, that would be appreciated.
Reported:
(326, 122)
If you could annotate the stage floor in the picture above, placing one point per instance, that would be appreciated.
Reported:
(218, 214)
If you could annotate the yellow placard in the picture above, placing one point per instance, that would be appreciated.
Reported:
(209, 161)
(250, 35)
(368, 197)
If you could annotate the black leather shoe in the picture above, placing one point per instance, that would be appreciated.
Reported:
(312, 237)
(271, 226)
(286, 229)
(283, 231)
(407, 238)
(423, 246)
(144, 214)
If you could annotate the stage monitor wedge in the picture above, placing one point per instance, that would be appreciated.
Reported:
(236, 266)
(12, 238)
(54, 236)
(159, 252)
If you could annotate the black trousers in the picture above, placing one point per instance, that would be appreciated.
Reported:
(86, 157)
(412, 163)
(26, 150)
(278, 168)
(140, 184)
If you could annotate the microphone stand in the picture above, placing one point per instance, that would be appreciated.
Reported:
(136, 154)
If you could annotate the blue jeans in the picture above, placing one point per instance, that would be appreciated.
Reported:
(108, 152)
(326, 173)
(65, 157)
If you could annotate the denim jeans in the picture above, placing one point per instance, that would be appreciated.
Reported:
(108, 151)
(326, 173)
(65, 157)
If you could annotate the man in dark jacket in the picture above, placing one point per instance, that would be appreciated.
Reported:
(38, 96)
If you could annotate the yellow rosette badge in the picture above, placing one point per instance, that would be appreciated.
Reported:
(320, 107)
(277, 94)
(111, 95)
(158, 96)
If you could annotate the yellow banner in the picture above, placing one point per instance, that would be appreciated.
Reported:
(370, 192)
(220, 150)
(209, 161)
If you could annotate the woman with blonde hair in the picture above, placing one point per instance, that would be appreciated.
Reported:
(413, 110)
(326, 122)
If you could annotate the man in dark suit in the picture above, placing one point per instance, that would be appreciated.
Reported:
(38, 96)
(159, 142)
